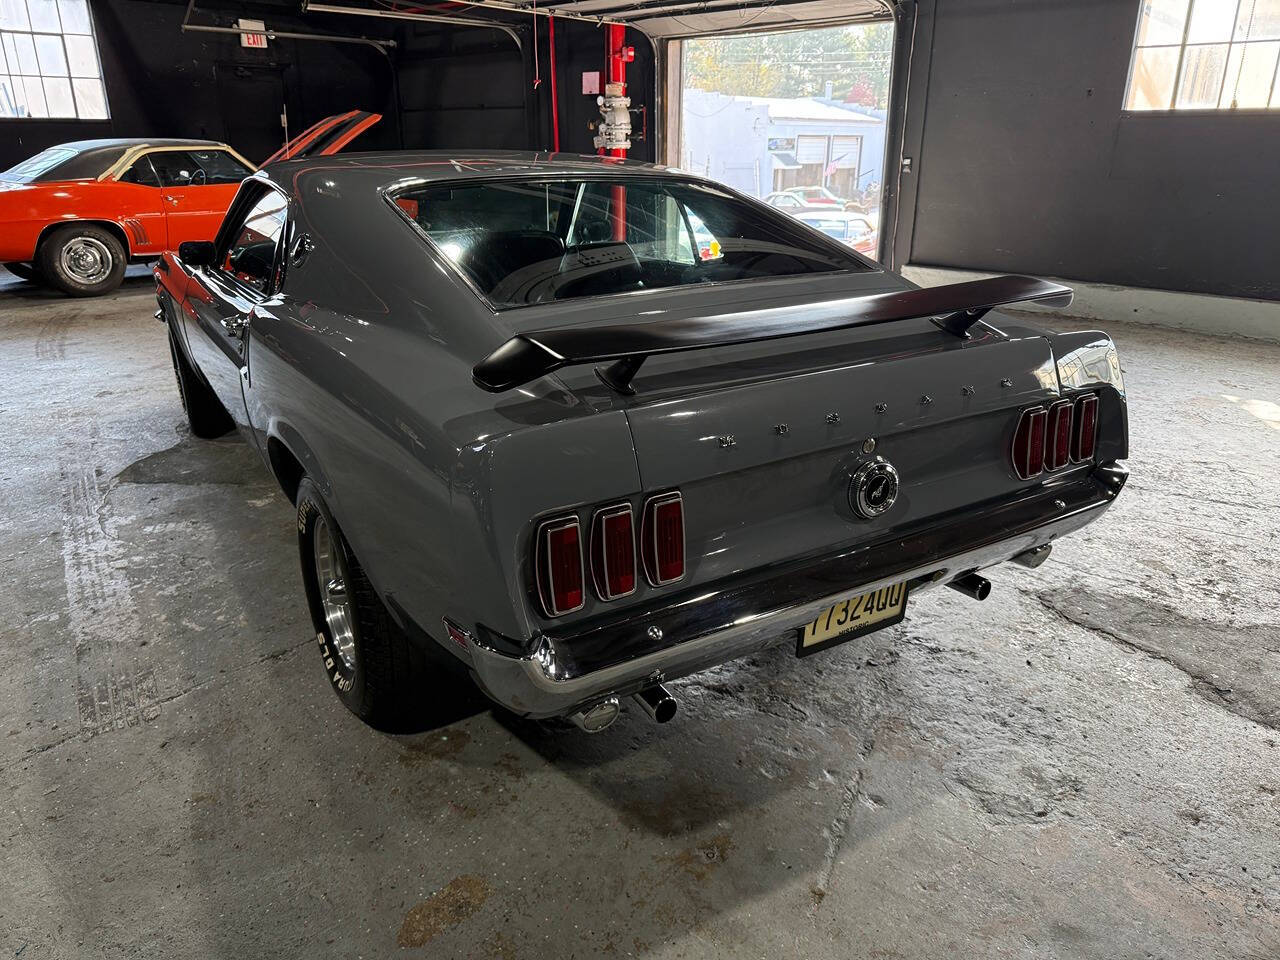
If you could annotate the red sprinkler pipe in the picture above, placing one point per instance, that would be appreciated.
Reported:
(615, 49)
(555, 97)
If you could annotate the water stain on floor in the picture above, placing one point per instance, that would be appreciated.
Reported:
(227, 460)
(446, 908)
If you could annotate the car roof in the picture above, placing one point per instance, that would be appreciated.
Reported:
(137, 142)
(453, 165)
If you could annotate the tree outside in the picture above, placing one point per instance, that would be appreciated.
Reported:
(854, 59)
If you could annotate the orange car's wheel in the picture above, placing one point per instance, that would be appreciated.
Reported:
(82, 260)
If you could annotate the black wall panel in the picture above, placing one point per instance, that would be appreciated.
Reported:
(442, 87)
(162, 82)
(1026, 163)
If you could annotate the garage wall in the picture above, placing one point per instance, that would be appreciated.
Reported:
(474, 88)
(457, 88)
(162, 82)
(462, 88)
(1024, 163)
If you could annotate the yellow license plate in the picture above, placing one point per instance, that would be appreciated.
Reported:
(852, 618)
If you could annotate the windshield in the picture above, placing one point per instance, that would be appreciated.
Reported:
(534, 241)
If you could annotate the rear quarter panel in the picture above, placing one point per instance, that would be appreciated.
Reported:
(26, 211)
(363, 372)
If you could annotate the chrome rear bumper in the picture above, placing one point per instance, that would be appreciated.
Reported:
(694, 632)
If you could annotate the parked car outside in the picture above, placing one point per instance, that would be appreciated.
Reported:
(818, 196)
(75, 215)
(792, 202)
(851, 229)
(532, 431)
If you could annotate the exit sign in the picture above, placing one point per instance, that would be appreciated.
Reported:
(255, 40)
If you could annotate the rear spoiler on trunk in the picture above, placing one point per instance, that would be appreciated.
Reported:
(955, 308)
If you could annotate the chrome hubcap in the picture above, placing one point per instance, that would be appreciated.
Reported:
(86, 260)
(331, 575)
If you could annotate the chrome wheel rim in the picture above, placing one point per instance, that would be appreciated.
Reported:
(86, 260)
(332, 581)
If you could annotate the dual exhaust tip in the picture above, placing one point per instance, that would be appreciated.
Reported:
(660, 705)
(656, 701)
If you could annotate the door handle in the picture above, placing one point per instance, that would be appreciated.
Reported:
(170, 198)
(233, 325)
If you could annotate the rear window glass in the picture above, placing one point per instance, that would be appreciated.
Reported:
(534, 241)
(64, 163)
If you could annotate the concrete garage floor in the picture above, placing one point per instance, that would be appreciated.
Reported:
(1086, 765)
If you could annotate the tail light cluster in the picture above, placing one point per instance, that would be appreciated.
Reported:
(1053, 437)
(561, 563)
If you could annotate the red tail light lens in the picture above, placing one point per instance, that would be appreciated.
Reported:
(613, 552)
(662, 539)
(1028, 443)
(558, 566)
(1058, 453)
(1086, 428)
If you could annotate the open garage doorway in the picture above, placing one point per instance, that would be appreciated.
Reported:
(796, 118)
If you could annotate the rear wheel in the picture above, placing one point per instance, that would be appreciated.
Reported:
(378, 673)
(23, 271)
(206, 415)
(82, 260)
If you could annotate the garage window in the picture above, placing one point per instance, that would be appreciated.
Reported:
(49, 64)
(1206, 55)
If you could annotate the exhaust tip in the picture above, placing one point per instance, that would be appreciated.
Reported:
(972, 585)
(597, 717)
(657, 702)
(1034, 557)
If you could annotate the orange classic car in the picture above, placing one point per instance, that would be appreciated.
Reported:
(74, 216)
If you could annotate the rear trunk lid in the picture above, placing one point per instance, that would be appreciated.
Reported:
(765, 467)
(762, 439)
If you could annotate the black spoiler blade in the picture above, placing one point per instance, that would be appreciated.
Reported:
(956, 307)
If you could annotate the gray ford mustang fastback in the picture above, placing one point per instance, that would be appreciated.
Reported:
(589, 425)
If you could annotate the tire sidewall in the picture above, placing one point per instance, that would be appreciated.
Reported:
(348, 684)
(179, 373)
(49, 261)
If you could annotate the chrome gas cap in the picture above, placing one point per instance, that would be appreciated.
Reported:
(873, 489)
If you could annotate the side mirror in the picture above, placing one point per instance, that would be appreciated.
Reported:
(196, 253)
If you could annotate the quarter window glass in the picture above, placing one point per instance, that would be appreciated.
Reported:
(251, 257)
(140, 173)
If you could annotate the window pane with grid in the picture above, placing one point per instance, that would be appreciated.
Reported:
(49, 64)
(1162, 22)
(1251, 71)
(1154, 71)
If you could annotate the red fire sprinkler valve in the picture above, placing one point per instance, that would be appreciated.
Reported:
(614, 131)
